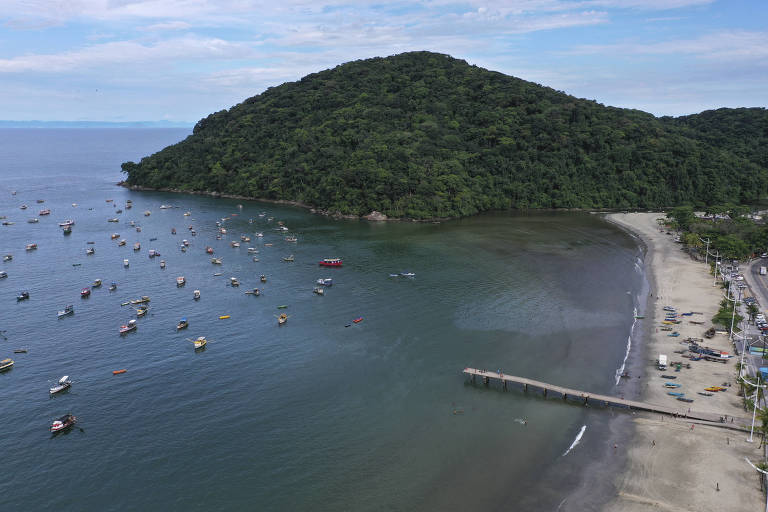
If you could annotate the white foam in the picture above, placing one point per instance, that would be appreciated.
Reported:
(576, 441)
(621, 368)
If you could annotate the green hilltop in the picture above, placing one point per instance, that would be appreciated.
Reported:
(423, 135)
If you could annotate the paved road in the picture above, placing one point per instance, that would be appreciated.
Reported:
(757, 285)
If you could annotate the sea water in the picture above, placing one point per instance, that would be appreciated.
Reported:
(321, 413)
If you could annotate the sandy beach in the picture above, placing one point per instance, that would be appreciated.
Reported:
(674, 464)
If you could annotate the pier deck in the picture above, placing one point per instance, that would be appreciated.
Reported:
(682, 410)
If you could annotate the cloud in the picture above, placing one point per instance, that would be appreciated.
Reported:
(170, 25)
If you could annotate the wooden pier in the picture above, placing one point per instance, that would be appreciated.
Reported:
(681, 411)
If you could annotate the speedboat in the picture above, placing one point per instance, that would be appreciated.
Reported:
(407, 274)
(68, 310)
(85, 292)
(288, 258)
(63, 423)
(180, 281)
(183, 324)
(216, 261)
(23, 295)
(31, 247)
(63, 384)
(34, 220)
(125, 263)
(6, 364)
(196, 295)
(233, 281)
(331, 262)
(165, 207)
(89, 251)
(113, 286)
(96, 283)
(325, 281)
(3, 274)
(8, 257)
(318, 290)
(45, 212)
(130, 326)
(162, 263)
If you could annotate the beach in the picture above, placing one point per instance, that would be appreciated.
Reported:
(672, 463)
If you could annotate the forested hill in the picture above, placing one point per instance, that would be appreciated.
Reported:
(424, 135)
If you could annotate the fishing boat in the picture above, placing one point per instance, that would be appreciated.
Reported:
(126, 263)
(23, 295)
(291, 239)
(147, 213)
(33, 220)
(199, 343)
(67, 311)
(327, 281)
(702, 393)
(85, 292)
(233, 281)
(31, 247)
(407, 274)
(165, 207)
(114, 219)
(187, 214)
(137, 246)
(235, 244)
(196, 295)
(46, 211)
(113, 286)
(63, 385)
(63, 423)
(96, 283)
(23, 207)
(141, 311)
(331, 262)
(3, 274)
(114, 236)
(209, 249)
(672, 385)
(216, 261)
(8, 257)
(130, 326)
(152, 253)
(252, 250)
(185, 242)
(143, 300)
(224, 317)
(89, 251)
(684, 399)
(263, 278)
(358, 320)
(675, 393)
(20, 351)
(183, 324)
(288, 258)
(282, 319)
(162, 263)
(254, 292)
(180, 281)
(6, 364)
(318, 290)
(173, 231)
(121, 243)
(668, 308)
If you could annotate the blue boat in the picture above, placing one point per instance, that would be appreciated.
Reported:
(675, 393)
(672, 385)
(674, 334)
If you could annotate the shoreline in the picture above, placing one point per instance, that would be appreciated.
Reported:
(672, 463)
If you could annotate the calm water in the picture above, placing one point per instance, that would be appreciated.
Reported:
(313, 415)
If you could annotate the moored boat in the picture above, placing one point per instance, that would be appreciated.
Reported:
(288, 258)
(331, 262)
(152, 253)
(233, 281)
(318, 290)
(141, 311)
(282, 319)
(6, 364)
(126, 263)
(23, 295)
(8, 257)
(3, 274)
(63, 384)
(196, 295)
(263, 278)
(162, 263)
(130, 326)
(96, 283)
(63, 423)
(45, 211)
(113, 286)
(358, 320)
(31, 247)
(67, 230)
(199, 343)
(90, 251)
(209, 249)
(216, 261)
(121, 243)
(183, 324)
(254, 292)
(68, 310)
(33, 220)
(85, 292)
(327, 281)
(143, 300)
(137, 246)
(181, 281)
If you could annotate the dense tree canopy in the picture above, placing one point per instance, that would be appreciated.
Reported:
(425, 135)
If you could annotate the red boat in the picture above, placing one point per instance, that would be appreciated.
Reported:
(63, 423)
(85, 292)
(209, 250)
(358, 320)
(331, 262)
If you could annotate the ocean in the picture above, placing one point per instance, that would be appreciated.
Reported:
(321, 413)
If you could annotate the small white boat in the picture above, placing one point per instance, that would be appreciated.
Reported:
(165, 207)
(180, 281)
(64, 384)
(199, 343)
(89, 251)
(113, 220)
(196, 295)
(216, 261)
(162, 263)
(147, 213)
(318, 290)
(68, 310)
(125, 263)
(253, 250)
(233, 281)
(3, 274)
(33, 221)
(235, 244)
(31, 247)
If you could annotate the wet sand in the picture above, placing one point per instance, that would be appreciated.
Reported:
(674, 464)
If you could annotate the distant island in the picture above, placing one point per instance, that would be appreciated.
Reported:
(423, 135)
(93, 124)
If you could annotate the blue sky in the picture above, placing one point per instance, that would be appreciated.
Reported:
(179, 60)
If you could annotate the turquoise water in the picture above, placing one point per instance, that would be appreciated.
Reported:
(313, 415)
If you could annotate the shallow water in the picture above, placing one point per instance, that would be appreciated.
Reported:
(313, 415)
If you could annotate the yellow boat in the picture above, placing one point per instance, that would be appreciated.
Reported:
(223, 317)
(6, 364)
(668, 322)
(282, 319)
(199, 343)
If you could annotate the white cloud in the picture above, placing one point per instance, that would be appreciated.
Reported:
(170, 25)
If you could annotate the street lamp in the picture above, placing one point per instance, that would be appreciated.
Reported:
(733, 315)
(754, 408)
(707, 253)
(761, 471)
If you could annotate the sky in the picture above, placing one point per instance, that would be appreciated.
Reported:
(179, 60)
